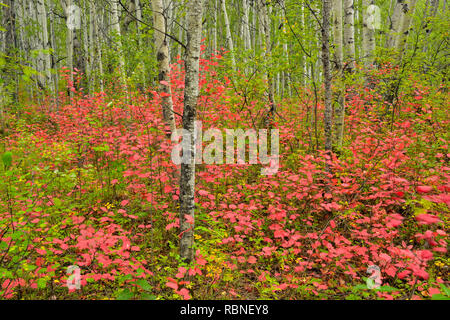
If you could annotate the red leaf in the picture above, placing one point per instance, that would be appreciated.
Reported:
(172, 285)
(426, 218)
(424, 189)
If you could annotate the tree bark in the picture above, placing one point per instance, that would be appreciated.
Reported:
(45, 55)
(246, 27)
(327, 73)
(191, 92)
(266, 41)
(395, 23)
(228, 34)
(368, 37)
(339, 55)
(408, 12)
(116, 29)
(162, 55)
(349, 35)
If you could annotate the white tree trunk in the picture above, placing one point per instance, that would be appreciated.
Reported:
(337, 32)
(339, 56)
(368, 37)
(162, 55)
(191, 92)
(327, 73)
(395, 23)
(45, 56)
(266, 41)
(116, 29)
(228, 34)
(69, 44)
(408, 12)
(349, 34)
(38, 45)
(246, 26)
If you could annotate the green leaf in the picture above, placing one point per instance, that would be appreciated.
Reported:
(445, 289)
(387, 289)
(360, 287)
(7, 159)
(57, 202)
(147, 296)
(144, 285)
(439, 297)
(125, 295)
(41, 283)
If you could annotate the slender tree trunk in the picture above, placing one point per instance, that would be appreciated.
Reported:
(98, 22)
(228, 34)
(86, 48)
(162, 55)
(246, 26)
(7, 93)
(327, 73)
(191, 92)
(286, 78)
(349, 34)
(368, 36)
(339, 55)
(54, 57)
(116, 29)
(408, 12)
(395, 23)
(304, 62)
(138, 22)
(215, 27)
(69, 44)
(265, 36)
(45, 54)
(38, 45)
(92, 44)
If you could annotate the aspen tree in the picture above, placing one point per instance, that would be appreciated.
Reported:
(327, 73)
(228, 34)
(191, 92)
(339, 55)
(245, 25)
(408, 11)
(162, 55)
(116, 29)
(349, 34)
(368, 43)
(395, 23)
(266, 41)
(45, 54)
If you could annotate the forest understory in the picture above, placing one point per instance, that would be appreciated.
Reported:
(358, 208)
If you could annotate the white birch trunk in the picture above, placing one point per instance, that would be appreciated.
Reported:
(368, 37)
(228, 34)
(327, 73)
(116, 29)
(395, 23)
(339, 55)
(246, 26)
(162, 54)
(191, 92)
(408, 12)
(349, 34)
(45, 55)
(265, 37)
